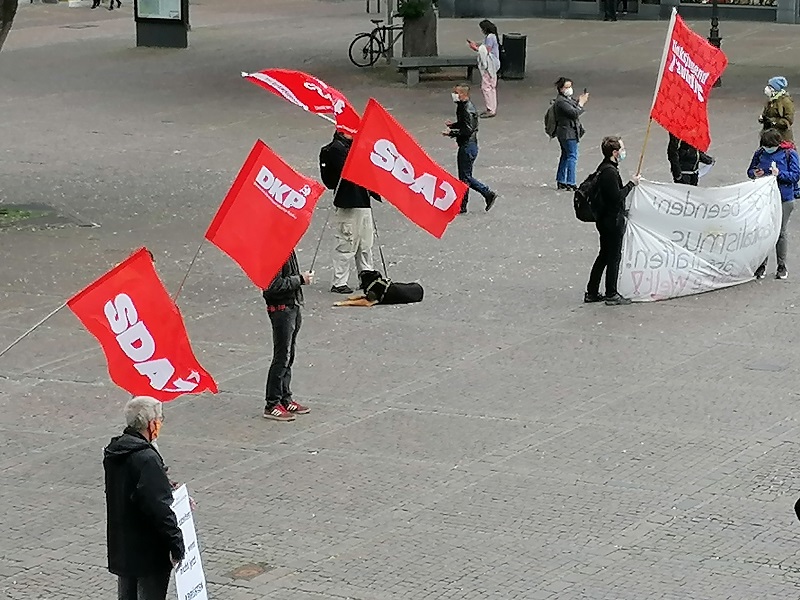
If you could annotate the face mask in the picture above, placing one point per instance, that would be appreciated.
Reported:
(769, 92)
(455, 97)
(771, 150)
(622, 155)
(568, 92)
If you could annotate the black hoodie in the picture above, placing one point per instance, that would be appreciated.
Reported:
(142, 529)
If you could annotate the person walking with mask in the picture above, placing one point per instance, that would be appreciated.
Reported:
(609, 206)
(778, 158)
(569, 132)
(465, 131)
(684, 161)
(488, 65)
(778, 112)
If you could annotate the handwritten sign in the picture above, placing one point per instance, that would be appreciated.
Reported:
(190, 580)
(683, 240)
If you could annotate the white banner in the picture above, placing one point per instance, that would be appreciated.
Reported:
(683, 240)
(190, 581)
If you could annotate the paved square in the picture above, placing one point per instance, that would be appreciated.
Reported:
(499, 440)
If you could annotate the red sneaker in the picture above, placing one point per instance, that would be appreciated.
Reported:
(278, 413)
(297, 409)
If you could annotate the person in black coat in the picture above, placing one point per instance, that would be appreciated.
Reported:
(569, 132)
(609, 207)
(684, 161)
(144, 540)
(352, 222)
(284, 297)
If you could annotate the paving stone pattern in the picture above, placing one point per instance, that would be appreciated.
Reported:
(498, 440)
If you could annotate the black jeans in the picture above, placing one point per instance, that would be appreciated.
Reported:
(689, 179)
(285, 326)
(151, 587)
(465, 159)
(610, 10)
(611, 233)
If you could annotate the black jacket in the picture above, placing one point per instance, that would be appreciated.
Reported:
(465, 128)
(141, 527)
(684, 159)
(568, 118)
(348, 195)
(286, 288)
(609, 204)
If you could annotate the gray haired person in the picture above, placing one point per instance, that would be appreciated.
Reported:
(144, 540)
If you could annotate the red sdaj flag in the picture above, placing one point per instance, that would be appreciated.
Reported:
(141, 331)
(264, 215)
(310, 94)
(689, 67)
(385, 158)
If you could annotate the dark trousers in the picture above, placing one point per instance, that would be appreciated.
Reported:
(151, 587)
(609, 10)
(611, 233)
(466, 159)
(689, 178)
(285, 327)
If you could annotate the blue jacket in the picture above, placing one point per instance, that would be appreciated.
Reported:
(788, 164)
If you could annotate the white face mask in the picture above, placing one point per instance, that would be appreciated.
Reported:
(568, 92)
(455, 97)
(769, 92)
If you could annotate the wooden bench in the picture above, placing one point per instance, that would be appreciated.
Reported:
(411, 65)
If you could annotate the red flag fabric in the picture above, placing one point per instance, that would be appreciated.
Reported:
(264, 215)
(385, 158)
(689, 67)
(309, 93)
(141, 332)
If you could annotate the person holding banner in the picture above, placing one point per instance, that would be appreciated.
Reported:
(353, 224)
(778, 158)
(465, 131)
(609, 206)
(284, 297)
(144, 540)
(684, 161)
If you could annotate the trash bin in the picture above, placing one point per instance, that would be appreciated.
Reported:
(513, 57)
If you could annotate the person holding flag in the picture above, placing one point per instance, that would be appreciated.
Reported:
(284, 297)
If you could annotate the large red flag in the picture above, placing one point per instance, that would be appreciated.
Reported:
(141, 332)
(385, 158)
(264, 215)
(689, 67)
(309, 93)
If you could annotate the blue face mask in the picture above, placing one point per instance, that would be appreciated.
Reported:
(771, 150)
(622, 155)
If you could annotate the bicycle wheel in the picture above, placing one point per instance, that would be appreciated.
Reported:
(365, 50)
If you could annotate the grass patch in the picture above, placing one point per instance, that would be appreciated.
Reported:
(15, 216)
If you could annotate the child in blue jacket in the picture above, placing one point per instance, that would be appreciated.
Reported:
(783, 155)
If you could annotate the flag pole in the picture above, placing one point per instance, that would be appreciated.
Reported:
(186, 275)
(32, 329)
(377, 237)
(664, 55)
(324, 227)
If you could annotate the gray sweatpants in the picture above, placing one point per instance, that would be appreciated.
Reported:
(783, 237)
(354, 238)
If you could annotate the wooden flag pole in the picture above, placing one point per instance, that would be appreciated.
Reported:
(32, 329)
(186, 275)
(644, 146)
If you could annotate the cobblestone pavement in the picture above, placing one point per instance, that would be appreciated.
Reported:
(499, 440)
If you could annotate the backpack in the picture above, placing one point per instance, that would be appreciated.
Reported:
(327, 167)
(550, 122)
(584, 201)
(760, 152)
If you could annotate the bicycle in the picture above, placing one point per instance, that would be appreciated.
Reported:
(367, 48)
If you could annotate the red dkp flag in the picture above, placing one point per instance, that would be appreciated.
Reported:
(264, 215)
(689, 67)
(141, 332)
(385, 158)
(310, 94)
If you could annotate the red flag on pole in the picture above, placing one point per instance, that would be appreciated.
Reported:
(689, 68)
(310, 94)
(385, 158)
(141, 332)
(264, 215)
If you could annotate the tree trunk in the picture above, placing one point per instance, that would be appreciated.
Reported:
(419, 35)
(8, 9)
